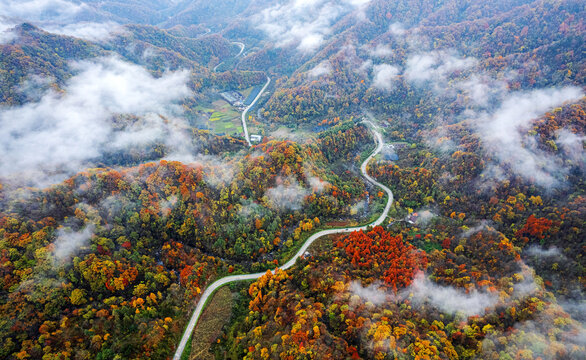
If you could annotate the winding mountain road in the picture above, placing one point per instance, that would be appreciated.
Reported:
(242, 47)
(244, 126)
(229, 279)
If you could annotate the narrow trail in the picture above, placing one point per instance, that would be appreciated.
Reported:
(229, 279)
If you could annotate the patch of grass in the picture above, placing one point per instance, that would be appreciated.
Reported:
(216, 116)
(252, 95)
(239, 311)
(218, 104)
(429, 246)
(187, 350)
(222, 117)
(216, 314)
(247, 92)
(204, 109)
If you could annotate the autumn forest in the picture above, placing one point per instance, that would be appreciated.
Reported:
(284, 179)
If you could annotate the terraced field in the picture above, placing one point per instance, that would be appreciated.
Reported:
(223, 118)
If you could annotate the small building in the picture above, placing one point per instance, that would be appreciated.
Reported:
(391, 157)
(412, 218)
(399, 145)
(389, 153)
(255, 138)
(233, 97)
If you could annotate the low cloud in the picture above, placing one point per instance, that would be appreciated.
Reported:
(323, 68)
(111, 207)
(483, 91)
(385, 76)
(504, 133)
(90, 31)
(40, 10)
(450, 300)
(252, 209)
(483, 226)
(544, 337)
(62, 133)
(298, 136)
(439, 139)
(6, 37)
(381, 51)
(372, 293)
(364, 67)
(288, 195)
(59, 17)
(423, 291)
(490, 178)
(540, 252)
(359, 207)
(578, 311)
(435, 66)
(168, 205)
(501, 118)
(302, 23)
(397, 29)
(34, 87)
(216, 171)
(69, 242)
(572, 145)
(316, 184)
(424, 217)
(527, 286)
(6, 33)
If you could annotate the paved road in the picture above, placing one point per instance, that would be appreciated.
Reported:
(242, 47)
(229, 279)
(244, 126)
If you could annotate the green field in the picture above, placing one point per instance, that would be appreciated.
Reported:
(223, 118)
(247, 92)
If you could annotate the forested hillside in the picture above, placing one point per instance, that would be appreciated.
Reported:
(117, 253)
(127, 186)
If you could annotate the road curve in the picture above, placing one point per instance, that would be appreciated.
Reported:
(244, 126)
(229, 279)
(240, 45)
